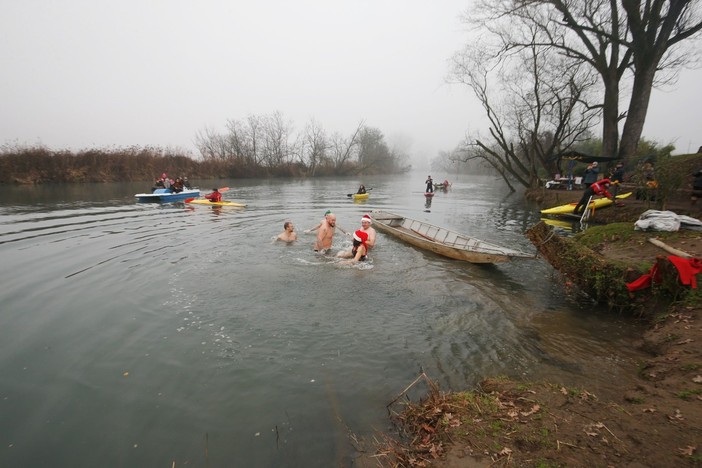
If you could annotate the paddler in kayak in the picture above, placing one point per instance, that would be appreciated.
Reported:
(215, 196)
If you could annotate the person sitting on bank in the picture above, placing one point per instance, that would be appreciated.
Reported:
(359, 249)
(596, 188)
(288, 235)
(361, 189)
(215, 196)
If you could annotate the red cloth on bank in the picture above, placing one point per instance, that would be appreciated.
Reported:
(687, 268)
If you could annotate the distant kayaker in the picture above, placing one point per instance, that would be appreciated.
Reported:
(288, 235)
(430, 185)
(597, 188)
(361, 189)
(359, 249)
(215, 196)
(325, 235)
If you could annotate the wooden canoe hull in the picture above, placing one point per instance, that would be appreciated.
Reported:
(443, 241)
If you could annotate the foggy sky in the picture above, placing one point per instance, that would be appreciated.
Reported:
(80, 74)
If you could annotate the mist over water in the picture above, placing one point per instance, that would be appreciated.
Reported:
(139, 334)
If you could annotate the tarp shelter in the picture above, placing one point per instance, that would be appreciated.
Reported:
(574, 157)
(582, 157)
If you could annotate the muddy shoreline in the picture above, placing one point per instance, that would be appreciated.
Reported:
(656, 422)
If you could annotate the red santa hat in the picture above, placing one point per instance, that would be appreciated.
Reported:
(360, 236)
(366, 217)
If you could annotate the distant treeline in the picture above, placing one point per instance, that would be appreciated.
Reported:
(39, 165)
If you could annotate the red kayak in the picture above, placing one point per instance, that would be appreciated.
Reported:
(428, 194)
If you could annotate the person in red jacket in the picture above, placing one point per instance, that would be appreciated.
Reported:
(215, 196)
(596, 188)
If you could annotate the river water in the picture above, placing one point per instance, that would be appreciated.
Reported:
(159, 335)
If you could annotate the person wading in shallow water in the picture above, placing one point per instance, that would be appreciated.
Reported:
(359, 249)
(325, 235)
(288, 234)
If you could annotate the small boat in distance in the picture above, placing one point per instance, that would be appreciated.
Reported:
(163, 195)
(360, 196)
(443, 241)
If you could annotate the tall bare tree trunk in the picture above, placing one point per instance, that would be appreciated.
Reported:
(636, 115)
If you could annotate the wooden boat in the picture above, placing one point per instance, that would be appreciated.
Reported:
(443, 241)
(204, 201)
(163, 195)
(594, 204)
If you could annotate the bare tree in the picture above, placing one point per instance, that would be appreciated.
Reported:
(314, 146)
(342, 149)
(212, 146)
(615, 38)
(536, 102)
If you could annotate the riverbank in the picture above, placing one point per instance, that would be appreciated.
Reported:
(657, 422)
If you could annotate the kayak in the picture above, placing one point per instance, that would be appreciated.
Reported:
(166, 196)
(204, 201)
(595, 204)
(428, 194)
(360, 196)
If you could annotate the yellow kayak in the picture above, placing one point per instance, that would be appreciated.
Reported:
(204, 201)
(596, 204)
(360, 196)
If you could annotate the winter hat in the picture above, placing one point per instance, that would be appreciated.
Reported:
(360, 236)
(366, 217)
(328, 212)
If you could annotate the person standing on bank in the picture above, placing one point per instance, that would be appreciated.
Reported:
(591, 174)
(617, 177)
(430, 184)
(596, 188)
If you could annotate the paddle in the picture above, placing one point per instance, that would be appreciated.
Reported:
(352, 194)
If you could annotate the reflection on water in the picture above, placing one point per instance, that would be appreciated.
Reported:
(140, 334)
